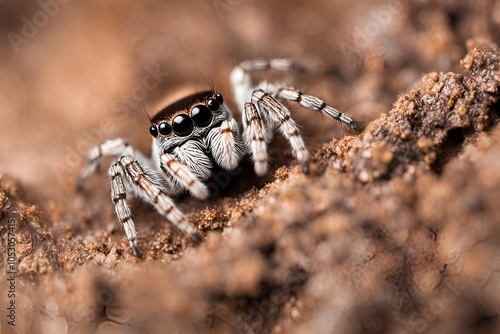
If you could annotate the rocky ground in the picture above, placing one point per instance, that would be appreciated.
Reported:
(395, 230)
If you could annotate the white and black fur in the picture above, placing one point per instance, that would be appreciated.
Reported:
(183, 160)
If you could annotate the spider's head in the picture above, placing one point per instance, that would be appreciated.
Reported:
(189, 116)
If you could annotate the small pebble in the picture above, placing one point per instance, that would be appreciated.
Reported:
(51, 325)
(119, 314)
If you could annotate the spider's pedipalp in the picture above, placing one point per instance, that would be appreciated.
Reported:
(225, 144)
(183, 174)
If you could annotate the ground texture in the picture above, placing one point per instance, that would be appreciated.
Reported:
(395, 230)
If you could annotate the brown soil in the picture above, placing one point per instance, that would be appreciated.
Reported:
(395, 230)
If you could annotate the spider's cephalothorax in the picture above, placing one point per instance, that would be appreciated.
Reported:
(195, 135)
(199, 132)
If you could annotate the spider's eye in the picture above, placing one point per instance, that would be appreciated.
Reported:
(219, 98)
(213, 104)
(182, 125)
(153, 131)
(202, 116)
(164, 128)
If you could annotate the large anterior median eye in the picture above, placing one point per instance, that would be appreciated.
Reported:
(202, 116)
(182, 125)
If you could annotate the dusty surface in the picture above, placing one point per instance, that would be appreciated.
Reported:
(396, 229)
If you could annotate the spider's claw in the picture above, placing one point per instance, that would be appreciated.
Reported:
(305, 166)
(135, 248)
(196, 238)
(79, 186)
(356, 126)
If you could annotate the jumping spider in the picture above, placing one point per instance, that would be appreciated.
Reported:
(198, 133)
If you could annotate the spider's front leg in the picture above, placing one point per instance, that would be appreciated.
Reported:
(254, 136)
(265, 112)
(273, 112)
(142, 181)
(117, 174)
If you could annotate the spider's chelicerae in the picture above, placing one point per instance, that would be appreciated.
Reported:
(198, 133)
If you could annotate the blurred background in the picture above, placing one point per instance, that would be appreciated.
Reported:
(73, 73)
(76, 72)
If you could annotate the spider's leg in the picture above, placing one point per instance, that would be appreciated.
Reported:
(314, 103)
(225, 144)
(142, 181)
(279, 64)
(117, 174)
(183, 175)
(254, 138)
(271, 110)
(111, 147)
(241, 75)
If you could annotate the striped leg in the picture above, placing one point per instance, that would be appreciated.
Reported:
(254, 137)
(112, 147)
(314, 103)
(142, 182)
(271, 110)
(117, 174)
(279, 64)
(184, 175)
(241, 75)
